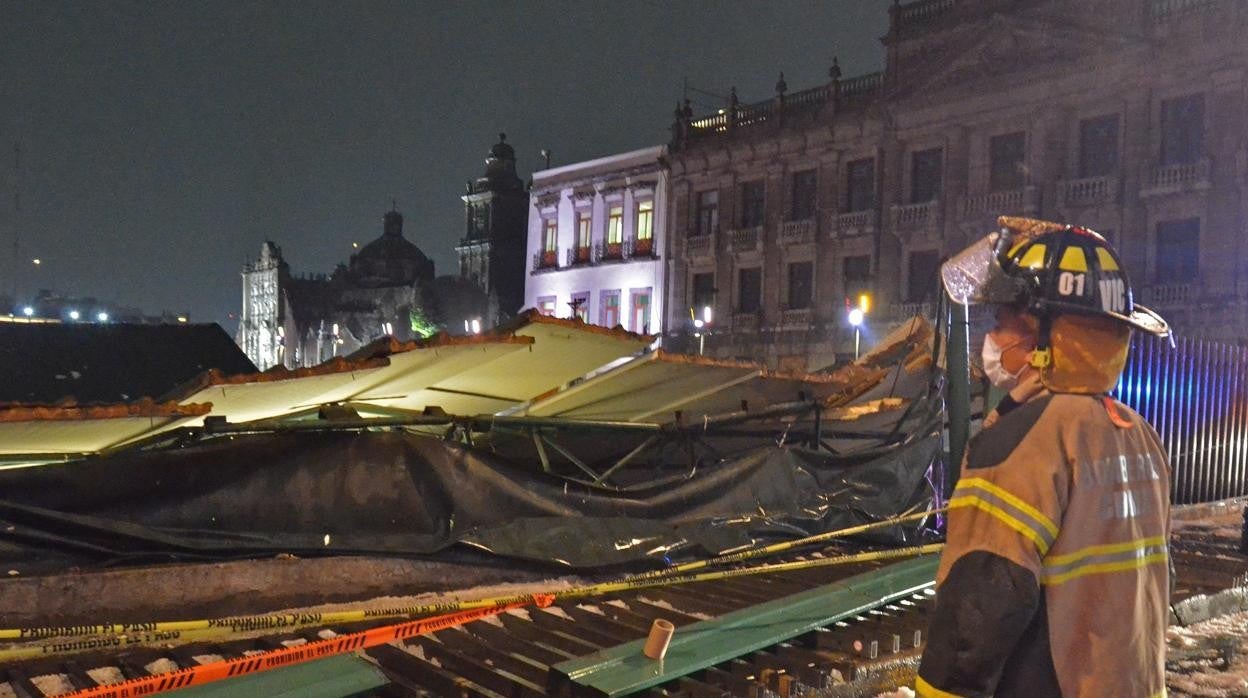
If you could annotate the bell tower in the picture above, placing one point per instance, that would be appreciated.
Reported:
(491, 253)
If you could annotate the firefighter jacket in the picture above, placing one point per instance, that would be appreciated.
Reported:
(1054, 580)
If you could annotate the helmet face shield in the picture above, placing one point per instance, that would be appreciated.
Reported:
(974, 276)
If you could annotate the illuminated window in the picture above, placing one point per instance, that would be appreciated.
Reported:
(550, 238)
(546, 305)
(584, 224)
(610, 308)
(615, 225)
(645, 220)
(641, 311)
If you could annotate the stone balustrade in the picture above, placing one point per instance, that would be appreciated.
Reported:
(915, 216)
(1088, 191)
(745, 239)
(855, 223)
(1025, 200)
(797, 232)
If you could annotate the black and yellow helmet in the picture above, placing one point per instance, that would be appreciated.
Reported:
(1051, 269)
(1071, 279)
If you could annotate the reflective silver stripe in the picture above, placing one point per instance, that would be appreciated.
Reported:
(1122, 556)
(1018, 515)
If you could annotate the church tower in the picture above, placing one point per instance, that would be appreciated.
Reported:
(496, 212)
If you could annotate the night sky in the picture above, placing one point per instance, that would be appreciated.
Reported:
(163, 142)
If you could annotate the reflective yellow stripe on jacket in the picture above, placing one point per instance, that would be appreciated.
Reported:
(1007, 508)
(924, 689)
(1102, 559)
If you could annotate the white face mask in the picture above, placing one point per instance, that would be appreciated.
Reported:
(997, 375)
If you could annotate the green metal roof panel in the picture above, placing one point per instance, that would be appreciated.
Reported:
(333, 677)
(623, 669)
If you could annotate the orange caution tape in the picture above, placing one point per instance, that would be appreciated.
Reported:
(287, 656)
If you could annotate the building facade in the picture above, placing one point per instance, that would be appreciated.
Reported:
(491, 253)
(386, 289)
(1127, 116)
(597, 241)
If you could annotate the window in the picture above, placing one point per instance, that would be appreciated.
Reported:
(615, 225)
(550, 237)
(641, 311)
(708, 212)
(580, 306)
(856, 271)
(926, 172)
(546, 305)
(1006, 155)
(801, 285)
(749, 289)
(1098, 146)
(1182, 130)
(610, 308)
(922, 277)
(804, 190)
(584, 228)
(1178, 250)
(860, 185)
(645, 220)
(752, 210)
(703, 292)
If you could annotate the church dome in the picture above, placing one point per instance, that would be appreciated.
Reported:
(390, 260)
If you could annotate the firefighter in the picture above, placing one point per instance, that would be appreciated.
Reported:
(1054, 580)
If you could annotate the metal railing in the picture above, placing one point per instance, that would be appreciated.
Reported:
(580, 256)
(1165, 10)
(1196, 396)
(608, 252)
(548, 259)
(1164, 295)
(642, 248)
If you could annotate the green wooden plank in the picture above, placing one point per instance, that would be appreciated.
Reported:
(332, 677)
(623, 669)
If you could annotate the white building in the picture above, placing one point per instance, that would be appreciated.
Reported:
(597, 240)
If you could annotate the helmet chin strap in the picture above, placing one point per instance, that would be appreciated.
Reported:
(1042, 356)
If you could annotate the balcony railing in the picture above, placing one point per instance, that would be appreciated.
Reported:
(745, 321)
(922, 13)
(855, 223)
(1025, 200)
(797, 317)
(797, 232)
(916, 216)
(699, 245)
(745, 239)
(547, 259)
(609, 252)
(903, 311)
(1089, 191)
(1166, 10)
(580, 256)
(1168, 179)
(1165, 295)
(642, 248)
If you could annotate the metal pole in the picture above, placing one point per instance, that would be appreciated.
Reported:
(959, 395)
(857, 336)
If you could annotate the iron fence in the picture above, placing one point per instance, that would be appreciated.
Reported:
(1195, 394)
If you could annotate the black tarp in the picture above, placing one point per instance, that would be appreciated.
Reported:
(394, 493)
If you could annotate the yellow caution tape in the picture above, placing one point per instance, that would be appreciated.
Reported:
(117, 636)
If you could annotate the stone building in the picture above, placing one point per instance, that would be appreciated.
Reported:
(1127, 116)
(491, 253)
(384, 289)
(596, 240)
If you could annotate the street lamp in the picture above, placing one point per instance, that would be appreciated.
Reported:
(703, 325)
(855, 320)
(101, 316)
(28, 311)
(74, 315)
